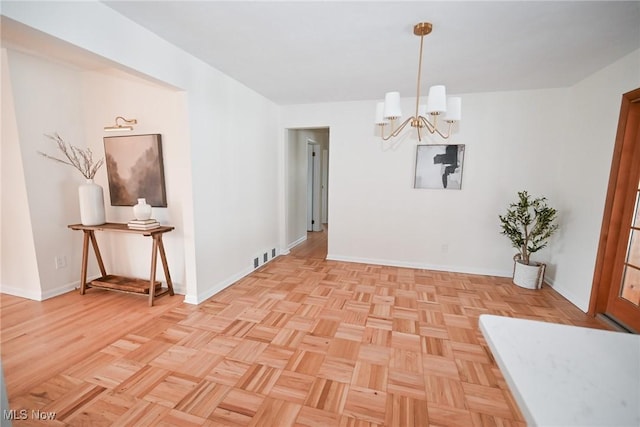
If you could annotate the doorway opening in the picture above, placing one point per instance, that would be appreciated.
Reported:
(307, 183)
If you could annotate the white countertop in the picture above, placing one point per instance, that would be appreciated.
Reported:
(564, 375)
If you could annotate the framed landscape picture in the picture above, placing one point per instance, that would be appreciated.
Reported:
(135, 169)
(439, 166)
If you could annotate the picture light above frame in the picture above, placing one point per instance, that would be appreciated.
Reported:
(121, 127)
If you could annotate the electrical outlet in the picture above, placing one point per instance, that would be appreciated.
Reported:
(60, 261)
(265, 257)
(445, 248)
(273, 253)
(256, 262)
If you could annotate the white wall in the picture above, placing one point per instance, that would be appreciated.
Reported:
(19, 274)
(378, 217)
(296, 166)
(234, 185)
(46, 98)
(514, 141)
(231, 139)
(582, 174)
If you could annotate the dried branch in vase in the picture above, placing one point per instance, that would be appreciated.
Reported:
(81, 159)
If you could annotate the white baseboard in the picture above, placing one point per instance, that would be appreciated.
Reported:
(42, 295)
(573, 299)
(218, 287)
(222, 285)
(297, 242)
(50, 293)
(423, 266)
(22, 293)
(578, 302)
(60, 290)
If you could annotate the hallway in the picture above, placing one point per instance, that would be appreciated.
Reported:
(315, 246)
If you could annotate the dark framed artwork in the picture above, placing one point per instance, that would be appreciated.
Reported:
(439, 166)
(135, 169)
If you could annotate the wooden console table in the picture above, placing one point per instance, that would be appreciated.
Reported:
(120, 283)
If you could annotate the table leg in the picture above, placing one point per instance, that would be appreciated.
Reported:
(165, 266)
(96, 251)
(152, 281)
(85, 255)
(89, 235)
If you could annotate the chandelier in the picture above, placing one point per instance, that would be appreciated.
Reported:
(437, 104)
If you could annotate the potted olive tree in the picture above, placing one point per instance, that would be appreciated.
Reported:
(528, 223)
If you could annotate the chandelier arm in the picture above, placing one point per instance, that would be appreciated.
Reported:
(434, 129)
(431, 128)
(402, 126)
(381, 130)
(397, 131)
(448, 132)
(383, 125)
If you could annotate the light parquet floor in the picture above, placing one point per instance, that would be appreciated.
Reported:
(300, 342)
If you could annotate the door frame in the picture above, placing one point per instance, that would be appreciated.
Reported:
(623, 178)
(314, 196)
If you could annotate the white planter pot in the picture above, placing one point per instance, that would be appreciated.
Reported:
(91, 203)
(528, 276)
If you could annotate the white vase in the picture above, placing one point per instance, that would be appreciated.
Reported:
(142, 210)
(91, 203)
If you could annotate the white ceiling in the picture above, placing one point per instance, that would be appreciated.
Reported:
(305, 52)
(324, 51)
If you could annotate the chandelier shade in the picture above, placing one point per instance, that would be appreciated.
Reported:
(380, 120)
(437, 100)
(392, 109)
(426, 115)
(454, 109)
